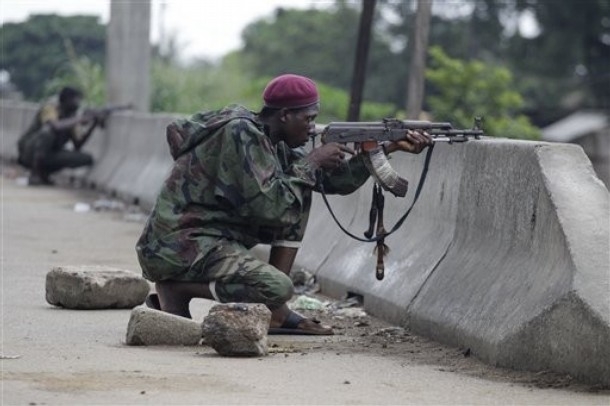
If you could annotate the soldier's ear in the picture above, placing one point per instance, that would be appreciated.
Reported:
(283, 114)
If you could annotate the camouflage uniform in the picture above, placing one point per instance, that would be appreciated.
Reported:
(41, 139)
(229, 189)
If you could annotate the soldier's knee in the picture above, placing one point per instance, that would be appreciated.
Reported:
(277, 290)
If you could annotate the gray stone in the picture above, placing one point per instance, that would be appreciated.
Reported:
(153, 327)
(95, 287)
(238, 329)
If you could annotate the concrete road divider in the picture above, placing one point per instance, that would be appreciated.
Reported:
(15, 118)
(119, 127)
(506, 253)
(156, 165)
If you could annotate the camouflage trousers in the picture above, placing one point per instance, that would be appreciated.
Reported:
(232, 272)
(235, 275)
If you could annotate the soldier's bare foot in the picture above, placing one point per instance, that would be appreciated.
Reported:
(172, 300)
(39, 180)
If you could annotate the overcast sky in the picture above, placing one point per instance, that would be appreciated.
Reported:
(204, 28)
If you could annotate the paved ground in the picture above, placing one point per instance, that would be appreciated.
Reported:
(58, 356)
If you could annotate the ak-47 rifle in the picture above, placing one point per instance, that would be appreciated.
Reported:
(102, 113)
(368, 138)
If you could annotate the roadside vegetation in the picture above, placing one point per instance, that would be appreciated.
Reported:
(481, 62)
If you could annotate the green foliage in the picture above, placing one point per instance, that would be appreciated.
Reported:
(563, 68)
(34, 51)
(300, 41)
(190, 89)
(464, 90)
(321, 43)
(568, 60)
(81, 73)
(333, 103)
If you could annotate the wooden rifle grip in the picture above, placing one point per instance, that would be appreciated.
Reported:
(368, 145)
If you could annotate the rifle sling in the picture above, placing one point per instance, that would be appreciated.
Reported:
(400, 221)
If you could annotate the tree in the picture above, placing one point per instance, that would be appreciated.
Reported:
(82, 73)
(34, 51)
(563, 67)
(321, 44)
(465, 90)
(568, 60)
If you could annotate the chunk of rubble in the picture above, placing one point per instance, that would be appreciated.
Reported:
(95, 287)
(237, 329)
(154, 327)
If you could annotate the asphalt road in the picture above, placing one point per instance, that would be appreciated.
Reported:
(59, 356)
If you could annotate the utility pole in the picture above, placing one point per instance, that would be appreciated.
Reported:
(128, 54)
(362, 53)
(418, 52)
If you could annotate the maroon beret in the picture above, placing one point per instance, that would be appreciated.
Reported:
(290, 91)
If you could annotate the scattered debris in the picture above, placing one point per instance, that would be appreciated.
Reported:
(148, 327)
(135, 217)
(390, 331)
(237, 329)
(304, 282)
(22, 181)
(81, 207)
(94, 287)
(351, 313)
(3, 356)
(303, 302)
(108, 205)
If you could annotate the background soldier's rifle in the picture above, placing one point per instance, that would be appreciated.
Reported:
(368, 138)
(101, 114)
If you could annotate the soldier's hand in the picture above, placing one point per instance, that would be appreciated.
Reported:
(87, 117)
(329, 156)
(415, 141)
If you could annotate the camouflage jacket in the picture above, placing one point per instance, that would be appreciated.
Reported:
(50, 111)
(229, 181)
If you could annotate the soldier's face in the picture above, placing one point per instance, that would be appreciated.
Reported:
(300, 125)
(71, 105)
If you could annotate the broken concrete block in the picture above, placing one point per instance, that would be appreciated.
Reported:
(154, 327)
(237, 329)
(95, 287)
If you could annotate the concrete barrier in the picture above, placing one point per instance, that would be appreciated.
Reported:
(114, 150)
(505, 253)
(15, 118)
(155, 166)
(136, 157)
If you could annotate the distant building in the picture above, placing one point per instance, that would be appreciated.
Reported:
(9, 91)
(590, 130)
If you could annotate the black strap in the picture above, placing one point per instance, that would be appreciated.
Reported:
(400, 221)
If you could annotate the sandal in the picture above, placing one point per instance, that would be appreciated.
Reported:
(291, 326)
